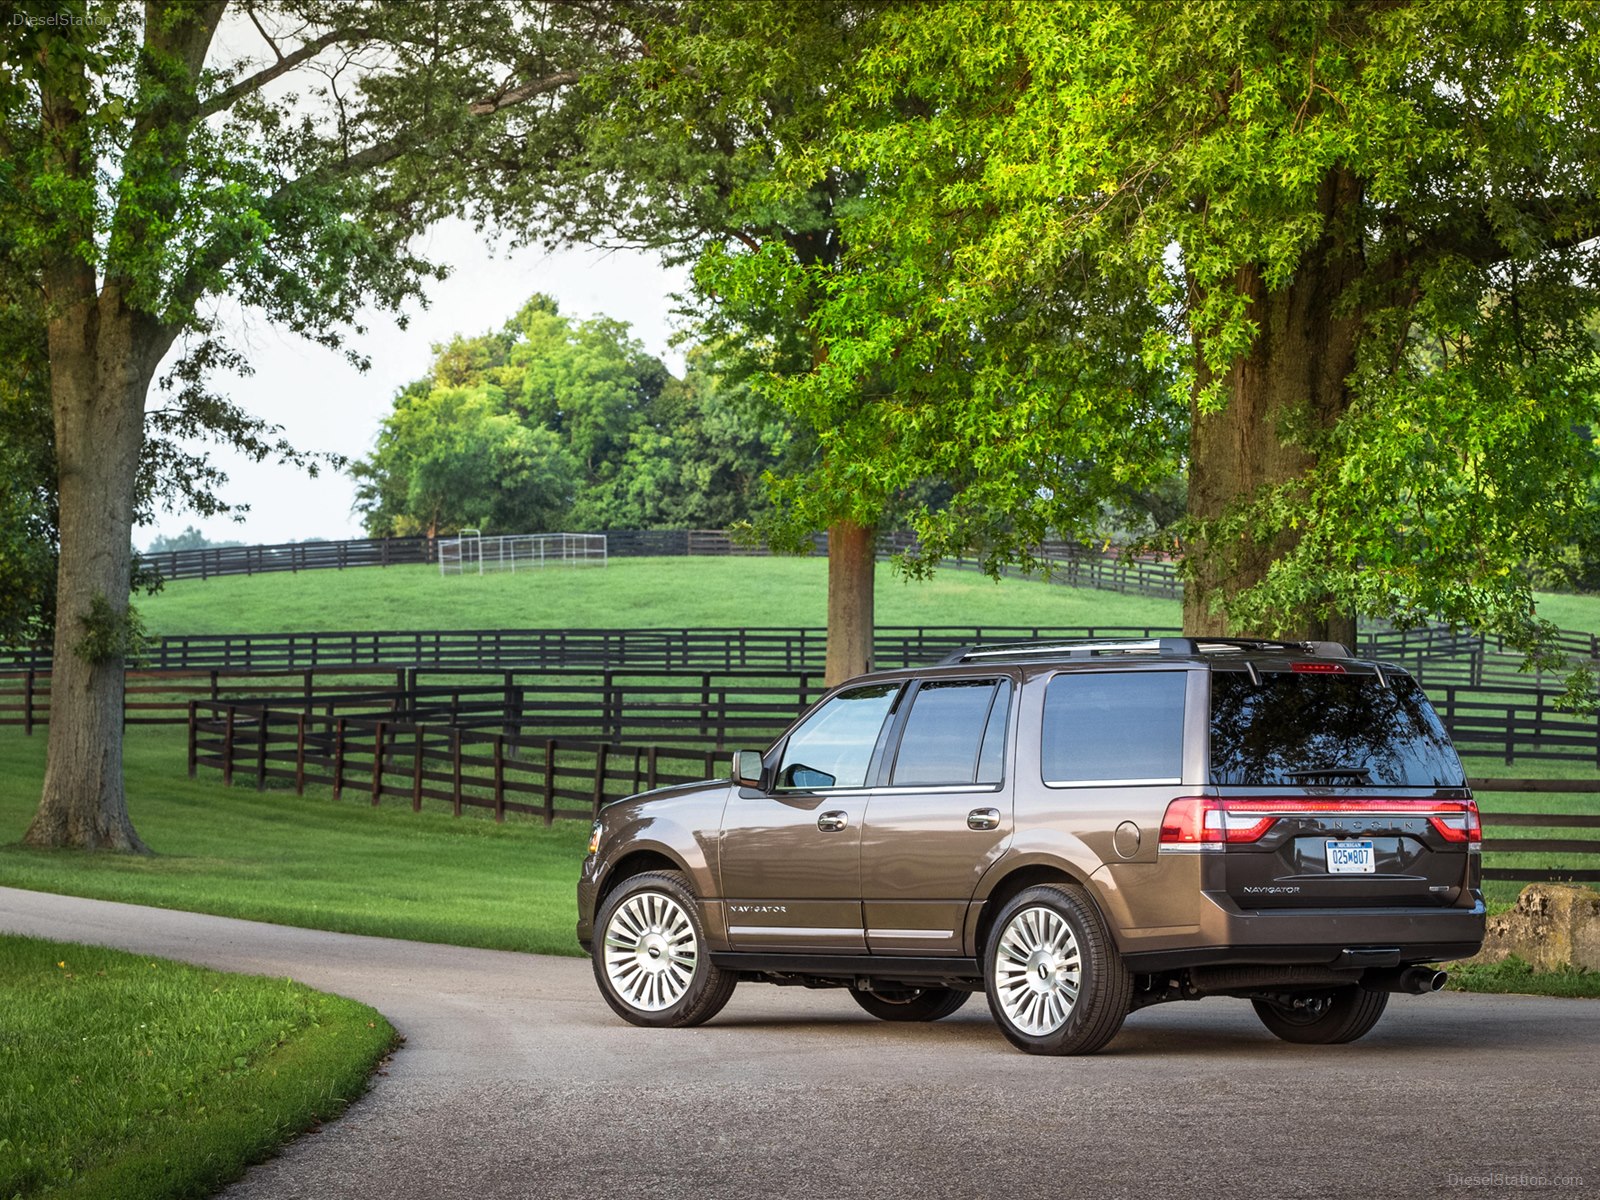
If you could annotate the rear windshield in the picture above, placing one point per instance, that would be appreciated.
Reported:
(1300, 728)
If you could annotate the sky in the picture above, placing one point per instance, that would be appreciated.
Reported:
(323, 403)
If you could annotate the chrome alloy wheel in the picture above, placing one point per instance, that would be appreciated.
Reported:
(1038, 971)
(650, 951)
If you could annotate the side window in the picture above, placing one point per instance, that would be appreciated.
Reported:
(1122, 727)
(833, 746)
(954, 734)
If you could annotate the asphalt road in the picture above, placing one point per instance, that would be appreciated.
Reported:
(517, 1081)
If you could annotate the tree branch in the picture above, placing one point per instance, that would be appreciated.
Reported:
(224, 99)
(538, 87)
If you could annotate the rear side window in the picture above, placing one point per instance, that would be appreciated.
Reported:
(1335, 729)
(1122, 727)
(954, 734)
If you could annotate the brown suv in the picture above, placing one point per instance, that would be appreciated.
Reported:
(1079, 829)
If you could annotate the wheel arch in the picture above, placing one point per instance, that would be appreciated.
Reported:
(981, 916)
(636, 862)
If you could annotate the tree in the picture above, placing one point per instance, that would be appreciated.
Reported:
(145, 177)
(453, 458)
(622, 444)
(683, 150)
(1355, 240)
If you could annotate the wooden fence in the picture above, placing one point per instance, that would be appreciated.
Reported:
(212, 561)
(787, 649)
(571, 778)
(552, 778)
(693, 706)
(1494, 846)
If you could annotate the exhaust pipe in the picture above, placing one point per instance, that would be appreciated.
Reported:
(1411, 981)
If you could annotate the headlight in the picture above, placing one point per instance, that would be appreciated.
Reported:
(594, 839)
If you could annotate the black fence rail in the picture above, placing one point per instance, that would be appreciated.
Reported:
(788, 649)
(377, 760)
(1497, 844)
(212, 561)
(694, 706)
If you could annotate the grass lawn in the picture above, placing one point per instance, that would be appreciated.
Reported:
(655, 593)
(132, 1077)
(629, 593)
(305, 861)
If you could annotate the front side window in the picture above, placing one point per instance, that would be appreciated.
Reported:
(954, 734)
(1113, 727)
(833, 746)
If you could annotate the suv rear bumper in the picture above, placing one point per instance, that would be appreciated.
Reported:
(1341, 938)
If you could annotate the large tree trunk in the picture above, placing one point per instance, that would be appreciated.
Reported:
(852, 557)
(102, 358)
(1292, 384)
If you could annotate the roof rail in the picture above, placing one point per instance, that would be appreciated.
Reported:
(1163, 647)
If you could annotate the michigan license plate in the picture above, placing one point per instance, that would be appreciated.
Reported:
(1351, 858)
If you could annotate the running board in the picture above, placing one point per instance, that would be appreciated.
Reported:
(868, 966)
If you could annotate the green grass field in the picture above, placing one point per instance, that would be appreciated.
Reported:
(655, 593)
(307, 861)
(630, 593)
(127, 1076)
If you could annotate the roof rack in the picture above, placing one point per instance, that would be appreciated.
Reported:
(1164, 647)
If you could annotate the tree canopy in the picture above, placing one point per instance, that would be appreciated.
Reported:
(1336, 260)
(281, 152)
(549, 423)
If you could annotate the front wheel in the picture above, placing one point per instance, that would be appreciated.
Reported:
(1056, 984)
(1324, 1018)
(650, 955)
(911, 1004)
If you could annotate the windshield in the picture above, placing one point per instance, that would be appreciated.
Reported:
(1296, 728)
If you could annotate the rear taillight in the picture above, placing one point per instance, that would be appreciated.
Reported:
(1211, 820)
(1458, 821)
(1198, 820)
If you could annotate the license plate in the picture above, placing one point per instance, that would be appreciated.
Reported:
(1351, 858)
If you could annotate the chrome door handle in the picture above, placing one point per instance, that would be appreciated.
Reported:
(832, 822)
(983, 818)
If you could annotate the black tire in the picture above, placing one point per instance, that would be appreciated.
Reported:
(650, 957)
(1040, 1002)
(911, 1004)
(1324, 1018)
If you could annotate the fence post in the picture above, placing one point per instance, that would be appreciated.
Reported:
(499, 778)
(194, 745)
(1511, 725)
(549, 781)
(650, 766)
(377, 764)
(338, 758)
(27, 705)
(227, 749)
(455, 771)
(416, 766)
(261, 752)
(705, 701)
(300, 754)
(600, 777)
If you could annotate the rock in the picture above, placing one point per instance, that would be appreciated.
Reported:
(1552, 925)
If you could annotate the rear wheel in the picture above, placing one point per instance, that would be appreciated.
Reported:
(1056, 984)
(1324, 1018)
(910, 1004)
(650, 956)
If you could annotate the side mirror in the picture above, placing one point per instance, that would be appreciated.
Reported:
(748, 770)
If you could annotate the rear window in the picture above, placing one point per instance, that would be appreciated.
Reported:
(1300, 728)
